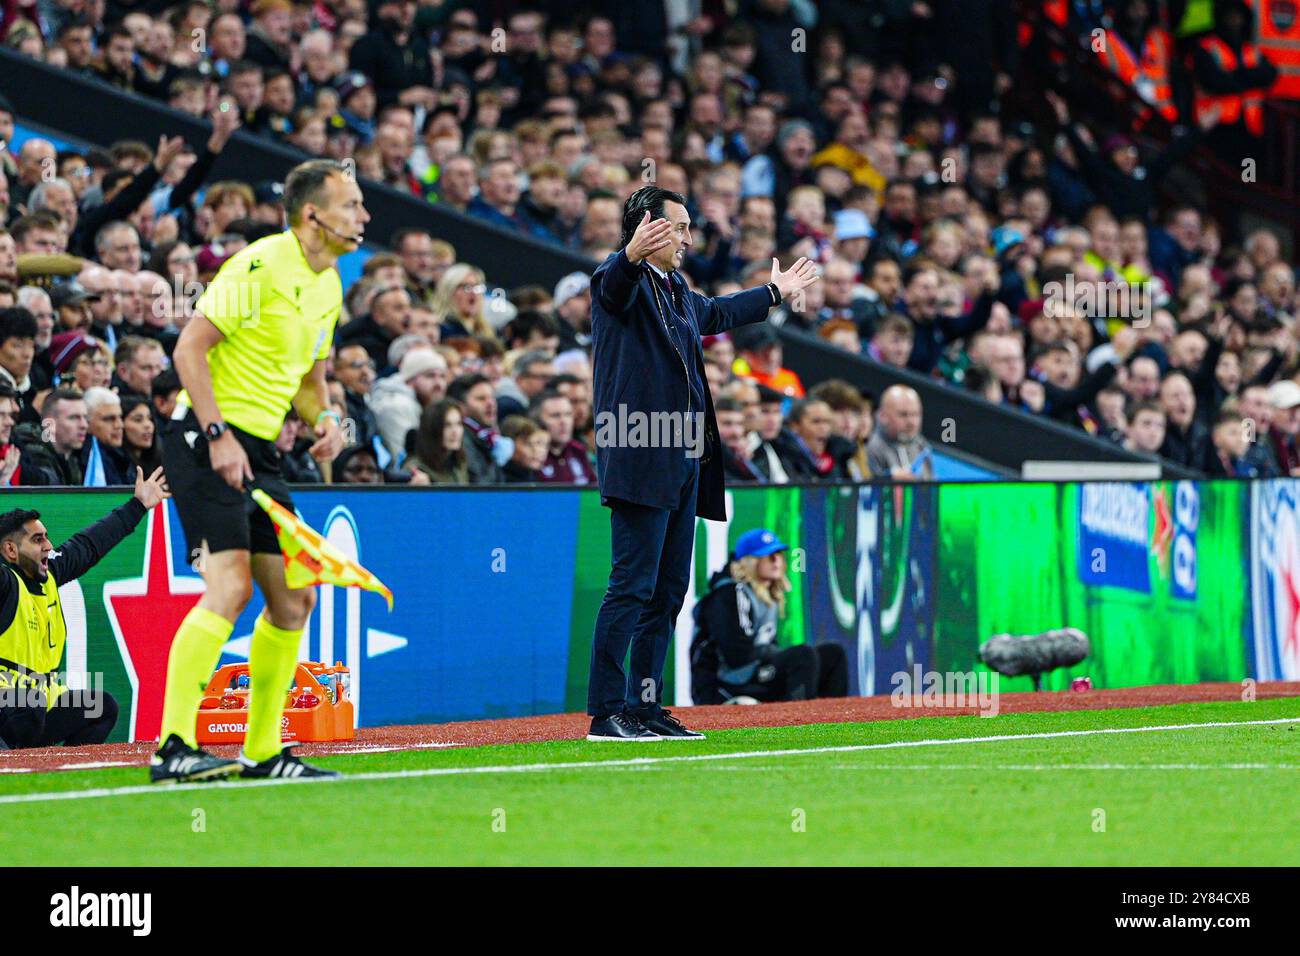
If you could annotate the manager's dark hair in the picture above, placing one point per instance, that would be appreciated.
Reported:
(647, 198)
(306, 183)
(11, 522)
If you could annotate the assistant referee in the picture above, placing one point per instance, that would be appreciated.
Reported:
(256, 346)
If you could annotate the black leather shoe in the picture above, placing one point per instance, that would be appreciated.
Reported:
(669, 727)
(620, 727)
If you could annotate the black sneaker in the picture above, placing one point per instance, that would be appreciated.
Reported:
(178, 762)
(284, 765)
(669, 727)
(619, 727)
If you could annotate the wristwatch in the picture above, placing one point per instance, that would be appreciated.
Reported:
(216, 430)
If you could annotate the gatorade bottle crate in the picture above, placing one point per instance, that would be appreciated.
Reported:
(316, 710)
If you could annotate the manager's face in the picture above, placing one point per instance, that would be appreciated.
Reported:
(671, 256)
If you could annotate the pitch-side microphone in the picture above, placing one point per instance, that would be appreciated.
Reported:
(1035, 654)
(337, 235)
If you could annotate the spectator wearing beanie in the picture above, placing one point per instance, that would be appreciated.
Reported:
(398, 400)
(67, 348)
(783, 168)
(357, 106)
(572, 303)
(1284, 427)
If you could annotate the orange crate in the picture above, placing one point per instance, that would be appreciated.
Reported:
(323, 721)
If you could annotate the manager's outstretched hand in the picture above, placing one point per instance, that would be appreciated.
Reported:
(799, 276)
(649, 238)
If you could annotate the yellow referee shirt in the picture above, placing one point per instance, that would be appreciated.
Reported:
(278, 318)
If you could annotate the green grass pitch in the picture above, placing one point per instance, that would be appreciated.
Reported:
(848, 794)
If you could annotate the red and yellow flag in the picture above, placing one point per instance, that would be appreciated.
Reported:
(309, 559)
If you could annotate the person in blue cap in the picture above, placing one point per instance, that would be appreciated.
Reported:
(734, 654)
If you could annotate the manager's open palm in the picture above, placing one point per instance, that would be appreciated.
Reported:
(799, 276)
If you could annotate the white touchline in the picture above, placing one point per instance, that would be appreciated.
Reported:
(891, 767)
(596, 764)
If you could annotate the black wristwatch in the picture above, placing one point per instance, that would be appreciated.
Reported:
(216, 430)
(775, 293)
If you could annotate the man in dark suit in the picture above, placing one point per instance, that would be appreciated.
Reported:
(658, 454)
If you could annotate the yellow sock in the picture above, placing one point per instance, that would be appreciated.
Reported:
(193, 657)
(271, 663)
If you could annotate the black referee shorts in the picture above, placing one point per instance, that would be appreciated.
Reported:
(212, 513)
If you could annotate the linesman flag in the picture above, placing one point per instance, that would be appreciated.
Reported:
(309, 559)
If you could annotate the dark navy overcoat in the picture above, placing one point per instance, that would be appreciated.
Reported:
(636, 364)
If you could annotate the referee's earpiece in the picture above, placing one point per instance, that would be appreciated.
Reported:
(337, 235)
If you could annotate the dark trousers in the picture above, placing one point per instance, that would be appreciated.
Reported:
(31, 724)
(647, 583)
(799, 673)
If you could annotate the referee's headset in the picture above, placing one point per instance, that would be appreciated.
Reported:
(337, 235)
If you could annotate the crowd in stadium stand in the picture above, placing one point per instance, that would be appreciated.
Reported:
(955, 240)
